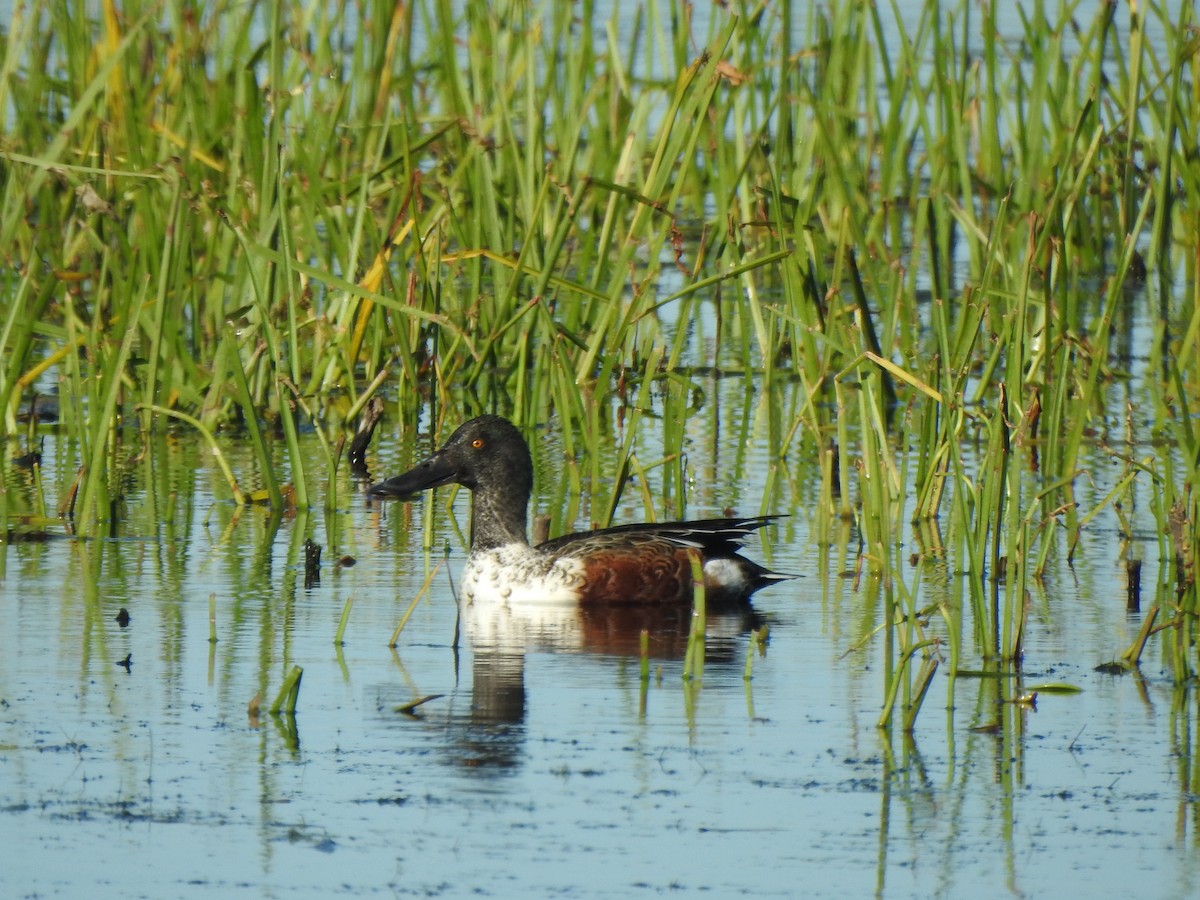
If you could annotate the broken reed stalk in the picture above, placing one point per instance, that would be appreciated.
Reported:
(1133, 655)
(755, 646)
(341, 629)
(289, 692)
(914, 706)
(413, 605)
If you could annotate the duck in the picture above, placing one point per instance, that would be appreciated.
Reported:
(648, 564)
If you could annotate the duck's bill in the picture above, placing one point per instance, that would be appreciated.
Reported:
(434, 472)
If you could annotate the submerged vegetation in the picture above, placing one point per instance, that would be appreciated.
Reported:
(921, 244)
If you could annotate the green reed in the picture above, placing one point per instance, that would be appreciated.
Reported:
(693, 662)
(920, 256)
(339, 635)
(289, 693)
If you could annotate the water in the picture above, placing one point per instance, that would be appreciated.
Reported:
(544, 766)
(555, 771)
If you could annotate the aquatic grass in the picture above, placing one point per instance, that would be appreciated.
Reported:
(693, 660)
(16, 338)
(215, 448)
(289, 693)
(101, 443)
(1178, 511)
(1133, 654)
(338, 638)
(757, 646)
(412, 605)
(643, 664)
(922, 254)
(409, 708)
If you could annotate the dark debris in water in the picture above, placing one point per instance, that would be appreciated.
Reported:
(312, 563)
(295, 834)
(860, 785)
(69, 747)
(127, 810)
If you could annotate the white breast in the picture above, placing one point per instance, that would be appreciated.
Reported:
(515, 599)
(519, 575)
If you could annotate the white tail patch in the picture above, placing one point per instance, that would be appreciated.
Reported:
(724, 572)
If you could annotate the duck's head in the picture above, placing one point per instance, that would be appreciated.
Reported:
(486, 454)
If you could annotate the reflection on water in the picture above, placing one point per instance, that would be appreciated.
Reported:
(549, 764)
(490, 734)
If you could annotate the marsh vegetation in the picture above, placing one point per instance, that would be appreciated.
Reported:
(918, 245)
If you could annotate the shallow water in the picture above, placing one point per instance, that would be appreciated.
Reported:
(555, 771)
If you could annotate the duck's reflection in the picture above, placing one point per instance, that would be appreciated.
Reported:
(491, 735)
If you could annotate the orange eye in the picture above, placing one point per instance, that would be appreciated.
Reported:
(477, 443)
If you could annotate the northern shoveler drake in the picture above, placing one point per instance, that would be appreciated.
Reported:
(629, 564)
